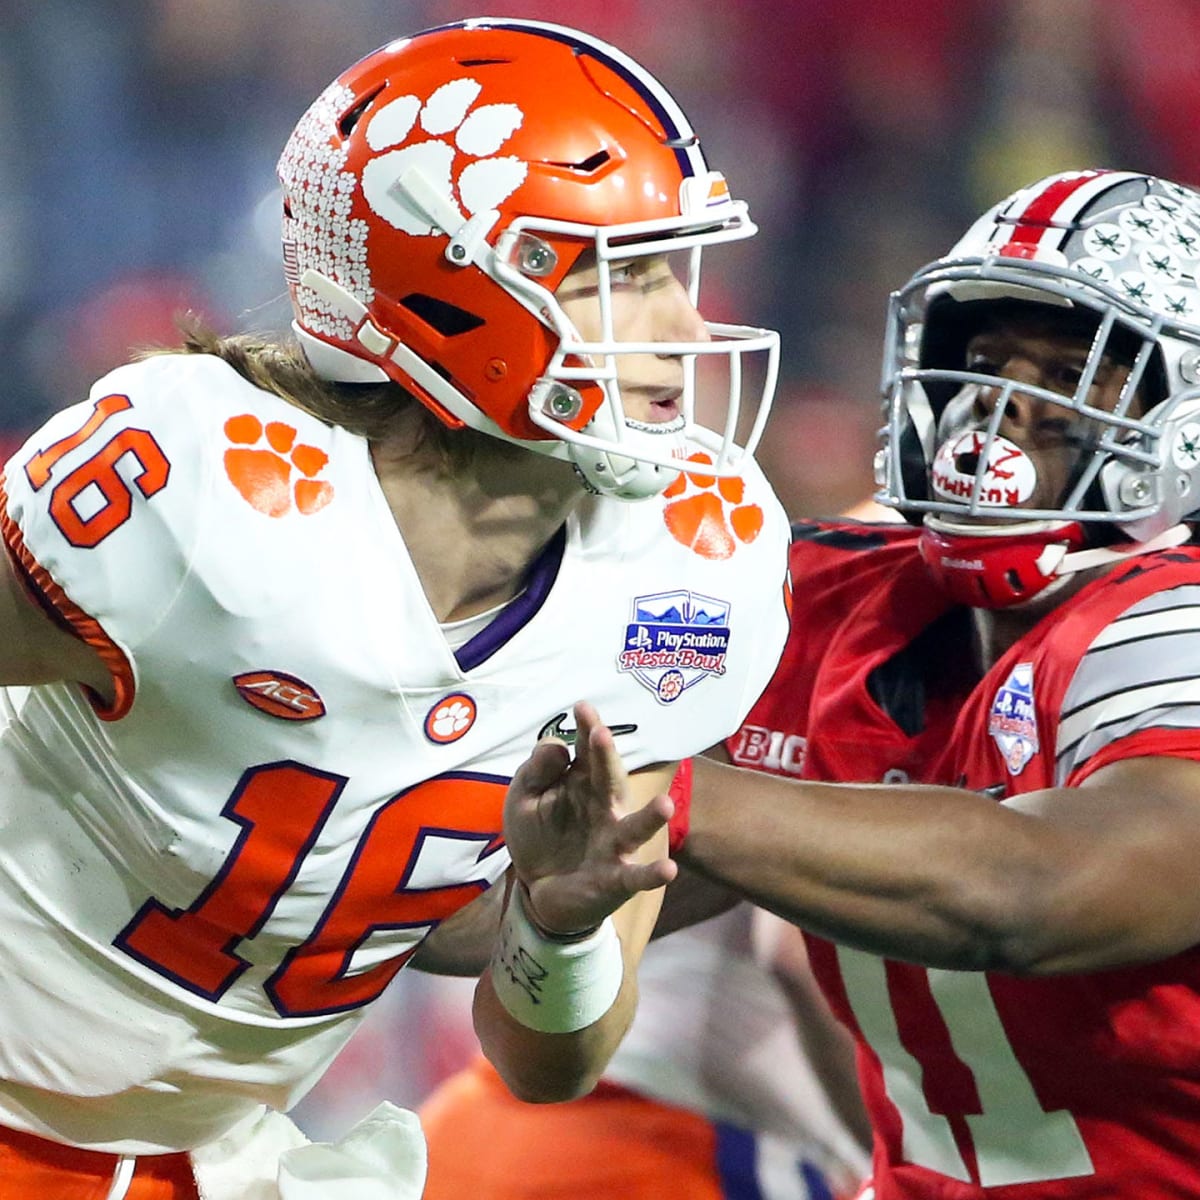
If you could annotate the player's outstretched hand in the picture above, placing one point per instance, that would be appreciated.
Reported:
(577, 843)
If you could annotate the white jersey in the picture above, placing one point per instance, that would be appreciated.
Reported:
(202, 885)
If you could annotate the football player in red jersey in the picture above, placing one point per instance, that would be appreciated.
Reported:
(999, 711)
(283, 619)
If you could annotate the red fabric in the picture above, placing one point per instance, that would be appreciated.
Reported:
(959, 1068)
(680, 792)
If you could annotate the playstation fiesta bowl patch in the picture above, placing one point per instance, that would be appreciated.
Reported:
(1013, 720)
(674, 641)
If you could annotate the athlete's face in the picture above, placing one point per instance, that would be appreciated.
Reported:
(649, 304)
(1032, 351)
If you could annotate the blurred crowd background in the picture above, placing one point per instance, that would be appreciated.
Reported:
(137, 147)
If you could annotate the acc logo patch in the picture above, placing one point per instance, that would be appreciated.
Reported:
(280, 695)
(450, 718)
(1013, 720)
(675, 640)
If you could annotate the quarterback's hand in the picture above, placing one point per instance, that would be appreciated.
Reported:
(577, 849)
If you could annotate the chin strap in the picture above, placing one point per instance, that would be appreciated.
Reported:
(1004, 566)
(1100, 556)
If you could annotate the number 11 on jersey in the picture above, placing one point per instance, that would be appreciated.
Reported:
(1015, 1139)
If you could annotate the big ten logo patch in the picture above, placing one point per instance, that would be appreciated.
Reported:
(769, 749)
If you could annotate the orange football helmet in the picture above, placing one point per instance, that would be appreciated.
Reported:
(437, 193)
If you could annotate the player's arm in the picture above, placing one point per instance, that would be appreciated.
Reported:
(692, 897)
(589, 850)
(34, 647)
(1061, 880)
(462, 944)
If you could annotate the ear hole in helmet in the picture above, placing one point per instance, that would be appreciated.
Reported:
(447, 319)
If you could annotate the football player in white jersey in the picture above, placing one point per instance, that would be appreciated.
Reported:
(283, 622)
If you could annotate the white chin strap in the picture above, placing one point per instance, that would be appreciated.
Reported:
(1100, 556)
(1058, 565)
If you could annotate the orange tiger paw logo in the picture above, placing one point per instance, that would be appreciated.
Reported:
(264, 462)
(707, 513)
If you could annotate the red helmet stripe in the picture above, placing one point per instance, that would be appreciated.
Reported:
(1036, 221)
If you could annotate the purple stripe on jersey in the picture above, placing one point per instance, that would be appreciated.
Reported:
(737, 1168)
(515, 616)
(737, 1162)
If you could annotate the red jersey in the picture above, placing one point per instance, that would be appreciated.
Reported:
(985, 1084)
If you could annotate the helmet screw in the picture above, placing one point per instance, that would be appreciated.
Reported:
(537, 258)
(1134, 491)
(496, 369)
(562, 403)
(458, 252)
(1189, 366)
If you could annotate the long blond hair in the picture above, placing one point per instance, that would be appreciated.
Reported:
(369, 410)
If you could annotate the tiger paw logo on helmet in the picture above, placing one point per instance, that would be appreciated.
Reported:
(397, 132)
(706, 513)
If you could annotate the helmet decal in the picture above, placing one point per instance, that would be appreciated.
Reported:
(1185, 449)
(1148, 252)
(325, 236)
(437, 195)
(482, 184)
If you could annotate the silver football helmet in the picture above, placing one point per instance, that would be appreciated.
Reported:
(1121, 251)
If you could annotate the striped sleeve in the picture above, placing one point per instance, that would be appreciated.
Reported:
(1141, 672)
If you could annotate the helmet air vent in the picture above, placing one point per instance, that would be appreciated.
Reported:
(447, 319)
(351, 118)
(592, 163)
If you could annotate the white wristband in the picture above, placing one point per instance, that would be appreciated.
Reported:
(555, 987)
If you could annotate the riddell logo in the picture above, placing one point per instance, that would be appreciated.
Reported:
(280, 695)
